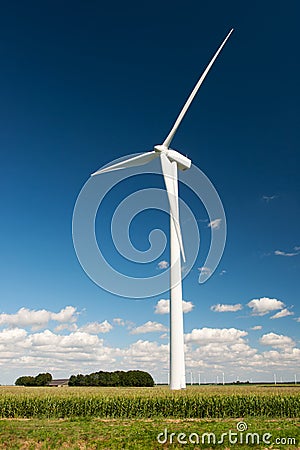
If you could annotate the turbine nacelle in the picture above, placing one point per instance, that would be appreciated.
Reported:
(183, 163)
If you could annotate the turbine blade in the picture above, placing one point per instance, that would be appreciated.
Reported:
(170, 177)
(139, 160)
(170, 136)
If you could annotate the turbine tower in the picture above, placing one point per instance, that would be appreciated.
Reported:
(171, 161)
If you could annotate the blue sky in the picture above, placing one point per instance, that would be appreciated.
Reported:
(84, 83)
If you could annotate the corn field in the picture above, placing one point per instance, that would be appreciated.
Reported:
(147, 403)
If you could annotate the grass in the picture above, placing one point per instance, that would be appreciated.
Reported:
(132, 418)
(136, 434)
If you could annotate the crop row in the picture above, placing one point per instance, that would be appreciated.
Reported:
(197, 406)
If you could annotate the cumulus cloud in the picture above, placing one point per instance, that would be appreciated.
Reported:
(212, 335)
(146, 354)
(216, 356)
(215, 224)
(49, 351)
(97, 327)
(277, 340)
(149, 327)
(67, 314)
(163, 306)
(283, 313)
(66, 326)
(12, 335)
(256, 327)
(52, 340)
(287, 358)
(265, 305)
(38, 318)
(163, 265)
(213, 349)
(226, 308)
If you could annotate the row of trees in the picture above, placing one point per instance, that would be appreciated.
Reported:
(42, 379)
(136, 378)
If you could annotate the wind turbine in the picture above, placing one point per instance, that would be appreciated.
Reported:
(171, 161)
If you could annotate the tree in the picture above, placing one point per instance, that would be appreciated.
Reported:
(43, 379)
(72, 380)
(25, 381)
(117, 378)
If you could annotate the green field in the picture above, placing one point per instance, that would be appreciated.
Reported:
(259, 417)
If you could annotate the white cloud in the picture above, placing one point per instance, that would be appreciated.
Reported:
(226, 308)
(163, 306)
(288, 358)
(264, 305)
(119, 321)
(149, 327)
(163, 265)
(187, 306)
(213, 335)
(67, 314)
(146, 355)
(283, 313)
(204, 270)
(49, 351)
(12, 335)
(215, 224)
(66, 326)
(218, 350)
(47, 344)
(48, 339)
(38, 318)
(81, 349)
(268, 198)
(96, 327)
(281, 253)
(164, 336)
(277, 340)
(223, 272)
(214, 350)
(214, 354)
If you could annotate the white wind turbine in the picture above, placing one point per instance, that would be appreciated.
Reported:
(171, 161)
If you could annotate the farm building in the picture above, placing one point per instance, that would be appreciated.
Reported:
(59, 382)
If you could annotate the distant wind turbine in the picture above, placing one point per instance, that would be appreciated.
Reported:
(171, 161)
